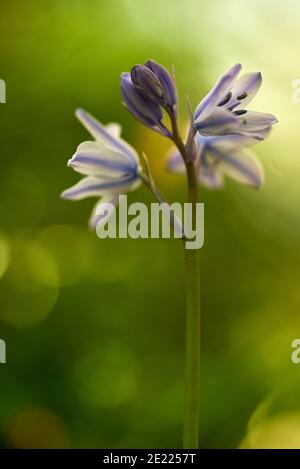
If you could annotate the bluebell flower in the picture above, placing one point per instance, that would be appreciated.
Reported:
(222, 111)
(220, 156)
(146, 91)
(110, 165)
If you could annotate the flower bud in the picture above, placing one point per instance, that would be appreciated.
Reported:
(169, 98)
(156, 85)
(144, 110)
(147, 83)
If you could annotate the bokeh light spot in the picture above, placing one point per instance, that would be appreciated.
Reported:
(4, 254)
(32, 266)
(71, 249)
(278, 432)
(28, 288)
(106, 377)
(38, 428)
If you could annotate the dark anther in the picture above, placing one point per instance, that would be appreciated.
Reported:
(242, 96)
(240, 112)
(226, 99)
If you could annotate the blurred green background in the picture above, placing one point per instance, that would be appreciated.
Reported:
(95, 328)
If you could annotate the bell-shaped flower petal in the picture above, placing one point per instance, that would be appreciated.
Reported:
(210, 178)
(96, 186)
(228, 143)
(256, 121)
(95, 159)
(217, 93)
(220, 156)
(220, 121)
(244, 90)
(107, 135)
(243, 167)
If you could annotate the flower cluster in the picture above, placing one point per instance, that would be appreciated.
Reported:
(221, 131)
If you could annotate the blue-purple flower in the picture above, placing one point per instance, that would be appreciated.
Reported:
(220, 156)
(222, 111)
(156, 84)
(110, 165)
(146, 91)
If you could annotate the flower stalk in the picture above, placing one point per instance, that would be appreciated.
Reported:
(192, 353)
(192, 320)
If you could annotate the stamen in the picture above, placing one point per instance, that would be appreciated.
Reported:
(242, 96)
(240, 112)
(226, 99)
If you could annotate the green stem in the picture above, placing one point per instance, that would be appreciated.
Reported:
(192, 353)
(192, 358)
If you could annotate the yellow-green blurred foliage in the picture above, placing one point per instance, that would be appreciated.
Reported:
(94, 328)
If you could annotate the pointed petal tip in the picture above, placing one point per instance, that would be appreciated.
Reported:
(257, 185)
(151, 62)
(257, 136)
(148, 61)
(236, 68)
(125, 76)
(258, 78)
(135, 66)
(273, 120)
(64, 195)
(260, 179)
(258, 182)
(80, 113)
